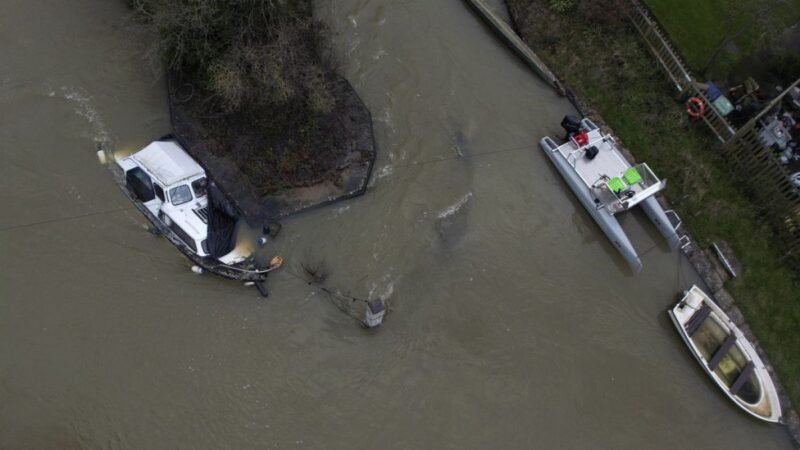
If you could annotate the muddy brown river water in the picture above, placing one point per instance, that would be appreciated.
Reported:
(514, 324)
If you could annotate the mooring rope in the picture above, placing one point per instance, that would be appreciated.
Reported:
(467, 156)
(395, 166)
(342, 302)
(66, 219)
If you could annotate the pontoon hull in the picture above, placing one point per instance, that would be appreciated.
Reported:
(656, 214)
(606, 221)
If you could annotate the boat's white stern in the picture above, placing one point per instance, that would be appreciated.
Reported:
(692, 301)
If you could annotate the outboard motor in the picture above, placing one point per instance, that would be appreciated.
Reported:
(571, 124)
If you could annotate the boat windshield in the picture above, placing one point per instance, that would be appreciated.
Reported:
(180, 195)
(200, 187)
(708, 339)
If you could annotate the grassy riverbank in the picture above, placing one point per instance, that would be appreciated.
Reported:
(603, 62)
(731, 29)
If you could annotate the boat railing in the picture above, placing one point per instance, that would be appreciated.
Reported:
(649, 178)
(574, 155)
(683, 240)
(637, 190)
(249, 271)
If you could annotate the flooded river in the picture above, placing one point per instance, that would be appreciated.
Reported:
(514, 323)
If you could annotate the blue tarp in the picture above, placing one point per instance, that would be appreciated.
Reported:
(713, 91)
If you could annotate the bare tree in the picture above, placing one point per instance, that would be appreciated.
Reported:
(244, 53)
(760, 20)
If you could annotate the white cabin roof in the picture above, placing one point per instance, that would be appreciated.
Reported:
(167, 162)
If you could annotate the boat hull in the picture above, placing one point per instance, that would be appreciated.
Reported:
(767, 407)
(659, 218)
(605, 220)
(207, 264)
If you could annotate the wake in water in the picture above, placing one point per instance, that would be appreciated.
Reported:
(384, 288)
(453, 209)
(451, 223)
(84, 108)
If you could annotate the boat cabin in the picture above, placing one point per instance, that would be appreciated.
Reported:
(173, 188)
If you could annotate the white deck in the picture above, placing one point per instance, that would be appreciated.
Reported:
(607, 164)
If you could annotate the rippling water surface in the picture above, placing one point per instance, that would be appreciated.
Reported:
(514, 324)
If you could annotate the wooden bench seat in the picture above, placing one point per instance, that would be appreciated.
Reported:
(721, 351)
(742, 378)
(694, 322)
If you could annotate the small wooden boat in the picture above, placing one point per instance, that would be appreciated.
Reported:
(726, 354)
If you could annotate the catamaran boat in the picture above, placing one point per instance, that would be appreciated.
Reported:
(172, 191)
(726, 355)
(607, 184)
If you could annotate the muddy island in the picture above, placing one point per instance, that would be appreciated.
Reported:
(254, 99)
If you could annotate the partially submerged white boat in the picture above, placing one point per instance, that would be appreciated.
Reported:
(172, 191)
(607, 184)
(726, 355)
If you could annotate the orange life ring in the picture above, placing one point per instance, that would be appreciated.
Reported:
(695, 107)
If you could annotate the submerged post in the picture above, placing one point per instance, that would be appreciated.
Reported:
(375, 312)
